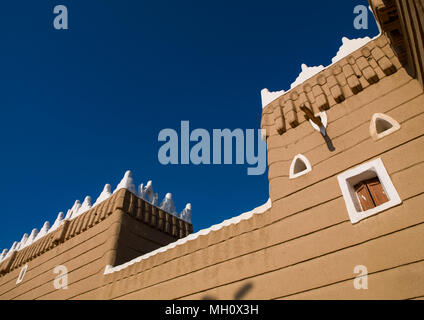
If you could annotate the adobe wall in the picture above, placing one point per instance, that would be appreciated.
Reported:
(305, 246)
(112, 232)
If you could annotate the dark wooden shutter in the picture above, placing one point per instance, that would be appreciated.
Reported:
(377, 192)
(364, 196)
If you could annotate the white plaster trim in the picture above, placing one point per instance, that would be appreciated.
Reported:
(293, 164)
(376, 166)
(348, 47)
(236, 220)
(373, 126)
(22, 274)
(324, 120)
(267, 97)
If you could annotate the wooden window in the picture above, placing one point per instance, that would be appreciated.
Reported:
(368, 190)
(371, 194)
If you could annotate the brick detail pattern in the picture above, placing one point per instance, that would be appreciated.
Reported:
(337, 83)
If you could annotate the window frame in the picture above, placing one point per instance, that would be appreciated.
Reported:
(373, 126)
(293, 165)
(347, 182)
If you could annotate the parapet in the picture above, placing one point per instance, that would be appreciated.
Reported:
(359, 64)
(141, 205)
(347, 77)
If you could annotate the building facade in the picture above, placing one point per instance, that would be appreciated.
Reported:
(345, 218)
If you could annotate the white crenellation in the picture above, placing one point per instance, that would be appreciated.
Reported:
(106, 194)
(23, 241)
(58, 222)
(155, 200)
(144, 192)
(148, 191)
(126, 183)
(44, 230)
(13, 248)
(267, 96)
(141, 193)
(85, 206)
(348, 46)
(186, 213)
(73, 211)
(305, 74)
(3, 254)
(31, 238)
(168, 205)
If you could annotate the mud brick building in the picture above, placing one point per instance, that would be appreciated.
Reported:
(346, 168)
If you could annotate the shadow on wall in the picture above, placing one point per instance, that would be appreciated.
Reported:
(329, 143)
(239, 295)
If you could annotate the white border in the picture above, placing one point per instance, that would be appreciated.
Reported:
(324, 120)
(305, 161)
(348, 191)
(236, 220)
(373, 128)
(22, 274)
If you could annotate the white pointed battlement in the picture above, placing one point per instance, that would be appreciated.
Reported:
(58, 222)
(3, 254)
(186, 214)
(106, 194)
(85, 206)
(155, 200)
(145, 192)
(23, 241)
(168, 204)
(31, 238)
(44, 230)
(12, 249)
(126, 183)
(74, 210)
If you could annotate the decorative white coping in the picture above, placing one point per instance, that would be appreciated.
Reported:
(305, 161)
(245, 216)
(146, 193)
(305, 74)
(349, 179)
(348, 46)
(382, 125)
(267, 96)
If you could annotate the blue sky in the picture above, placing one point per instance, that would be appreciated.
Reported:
(80, 107)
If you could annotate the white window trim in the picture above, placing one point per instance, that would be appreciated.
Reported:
(293, 164)
(373, 128)
(348, 190)
(22, 274)
(324, 120)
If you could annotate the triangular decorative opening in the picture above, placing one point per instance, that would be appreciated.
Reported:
(299, 166)
(382, 125)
